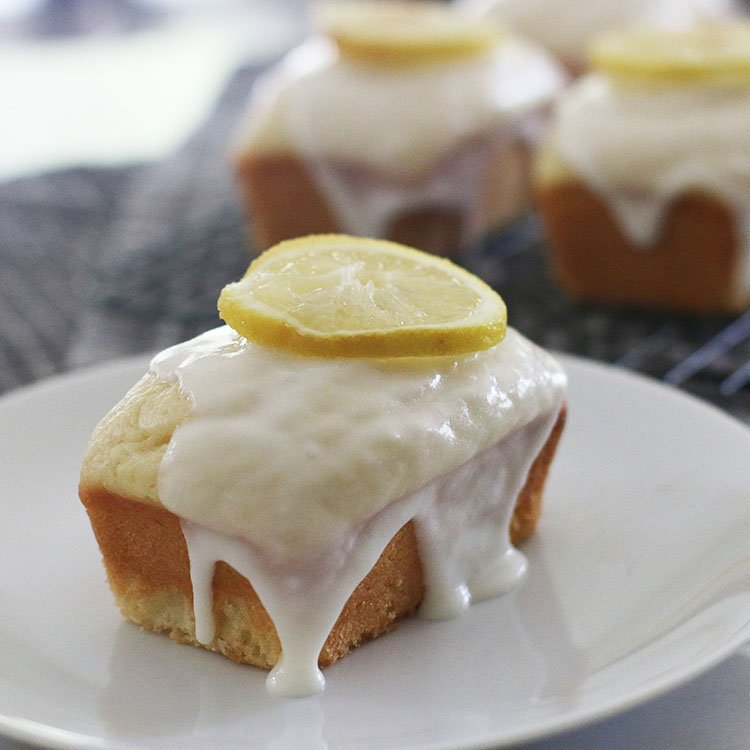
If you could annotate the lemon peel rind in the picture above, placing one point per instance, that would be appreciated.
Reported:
(416, 340)
(406, 53)
(374, 345)
(624, 70)
(644, 54)
(427, 33)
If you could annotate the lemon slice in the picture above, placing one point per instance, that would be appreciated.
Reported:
(342, 296)
(402, 33)
(711, 52)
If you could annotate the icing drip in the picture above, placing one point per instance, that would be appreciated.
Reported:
(451, 443)
(305, 601)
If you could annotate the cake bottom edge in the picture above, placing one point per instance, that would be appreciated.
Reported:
(148, 570)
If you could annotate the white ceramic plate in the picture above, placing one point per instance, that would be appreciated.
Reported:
(639, 580)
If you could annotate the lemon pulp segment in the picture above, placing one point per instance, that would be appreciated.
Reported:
(342, 296)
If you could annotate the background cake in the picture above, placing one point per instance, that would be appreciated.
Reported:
(398, 120)
(644, 183)
(566, 28)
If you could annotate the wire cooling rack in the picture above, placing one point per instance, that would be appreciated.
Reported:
(708, 356)
(56, 230)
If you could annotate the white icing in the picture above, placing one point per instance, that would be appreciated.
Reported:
(403, 126)
(640, 147)
(464, 546)
(298, 471)
(366, 204)
(322, 105)
(565, 27)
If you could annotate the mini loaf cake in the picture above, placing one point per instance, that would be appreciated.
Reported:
(398, 120)
(566, 28)
(644, 184)
(282, 508)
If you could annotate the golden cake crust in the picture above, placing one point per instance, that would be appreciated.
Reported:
(689, 268)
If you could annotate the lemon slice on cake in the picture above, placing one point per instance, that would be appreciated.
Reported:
(342, 296)
(710, 52)
(402, 33)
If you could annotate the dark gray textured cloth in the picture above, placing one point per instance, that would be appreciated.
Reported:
(100, 263)
(96, 264)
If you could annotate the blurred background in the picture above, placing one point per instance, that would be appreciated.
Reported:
(119, 222)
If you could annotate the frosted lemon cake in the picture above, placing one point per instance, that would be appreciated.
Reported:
(401, 120)
(366, 439)
(644, 185)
